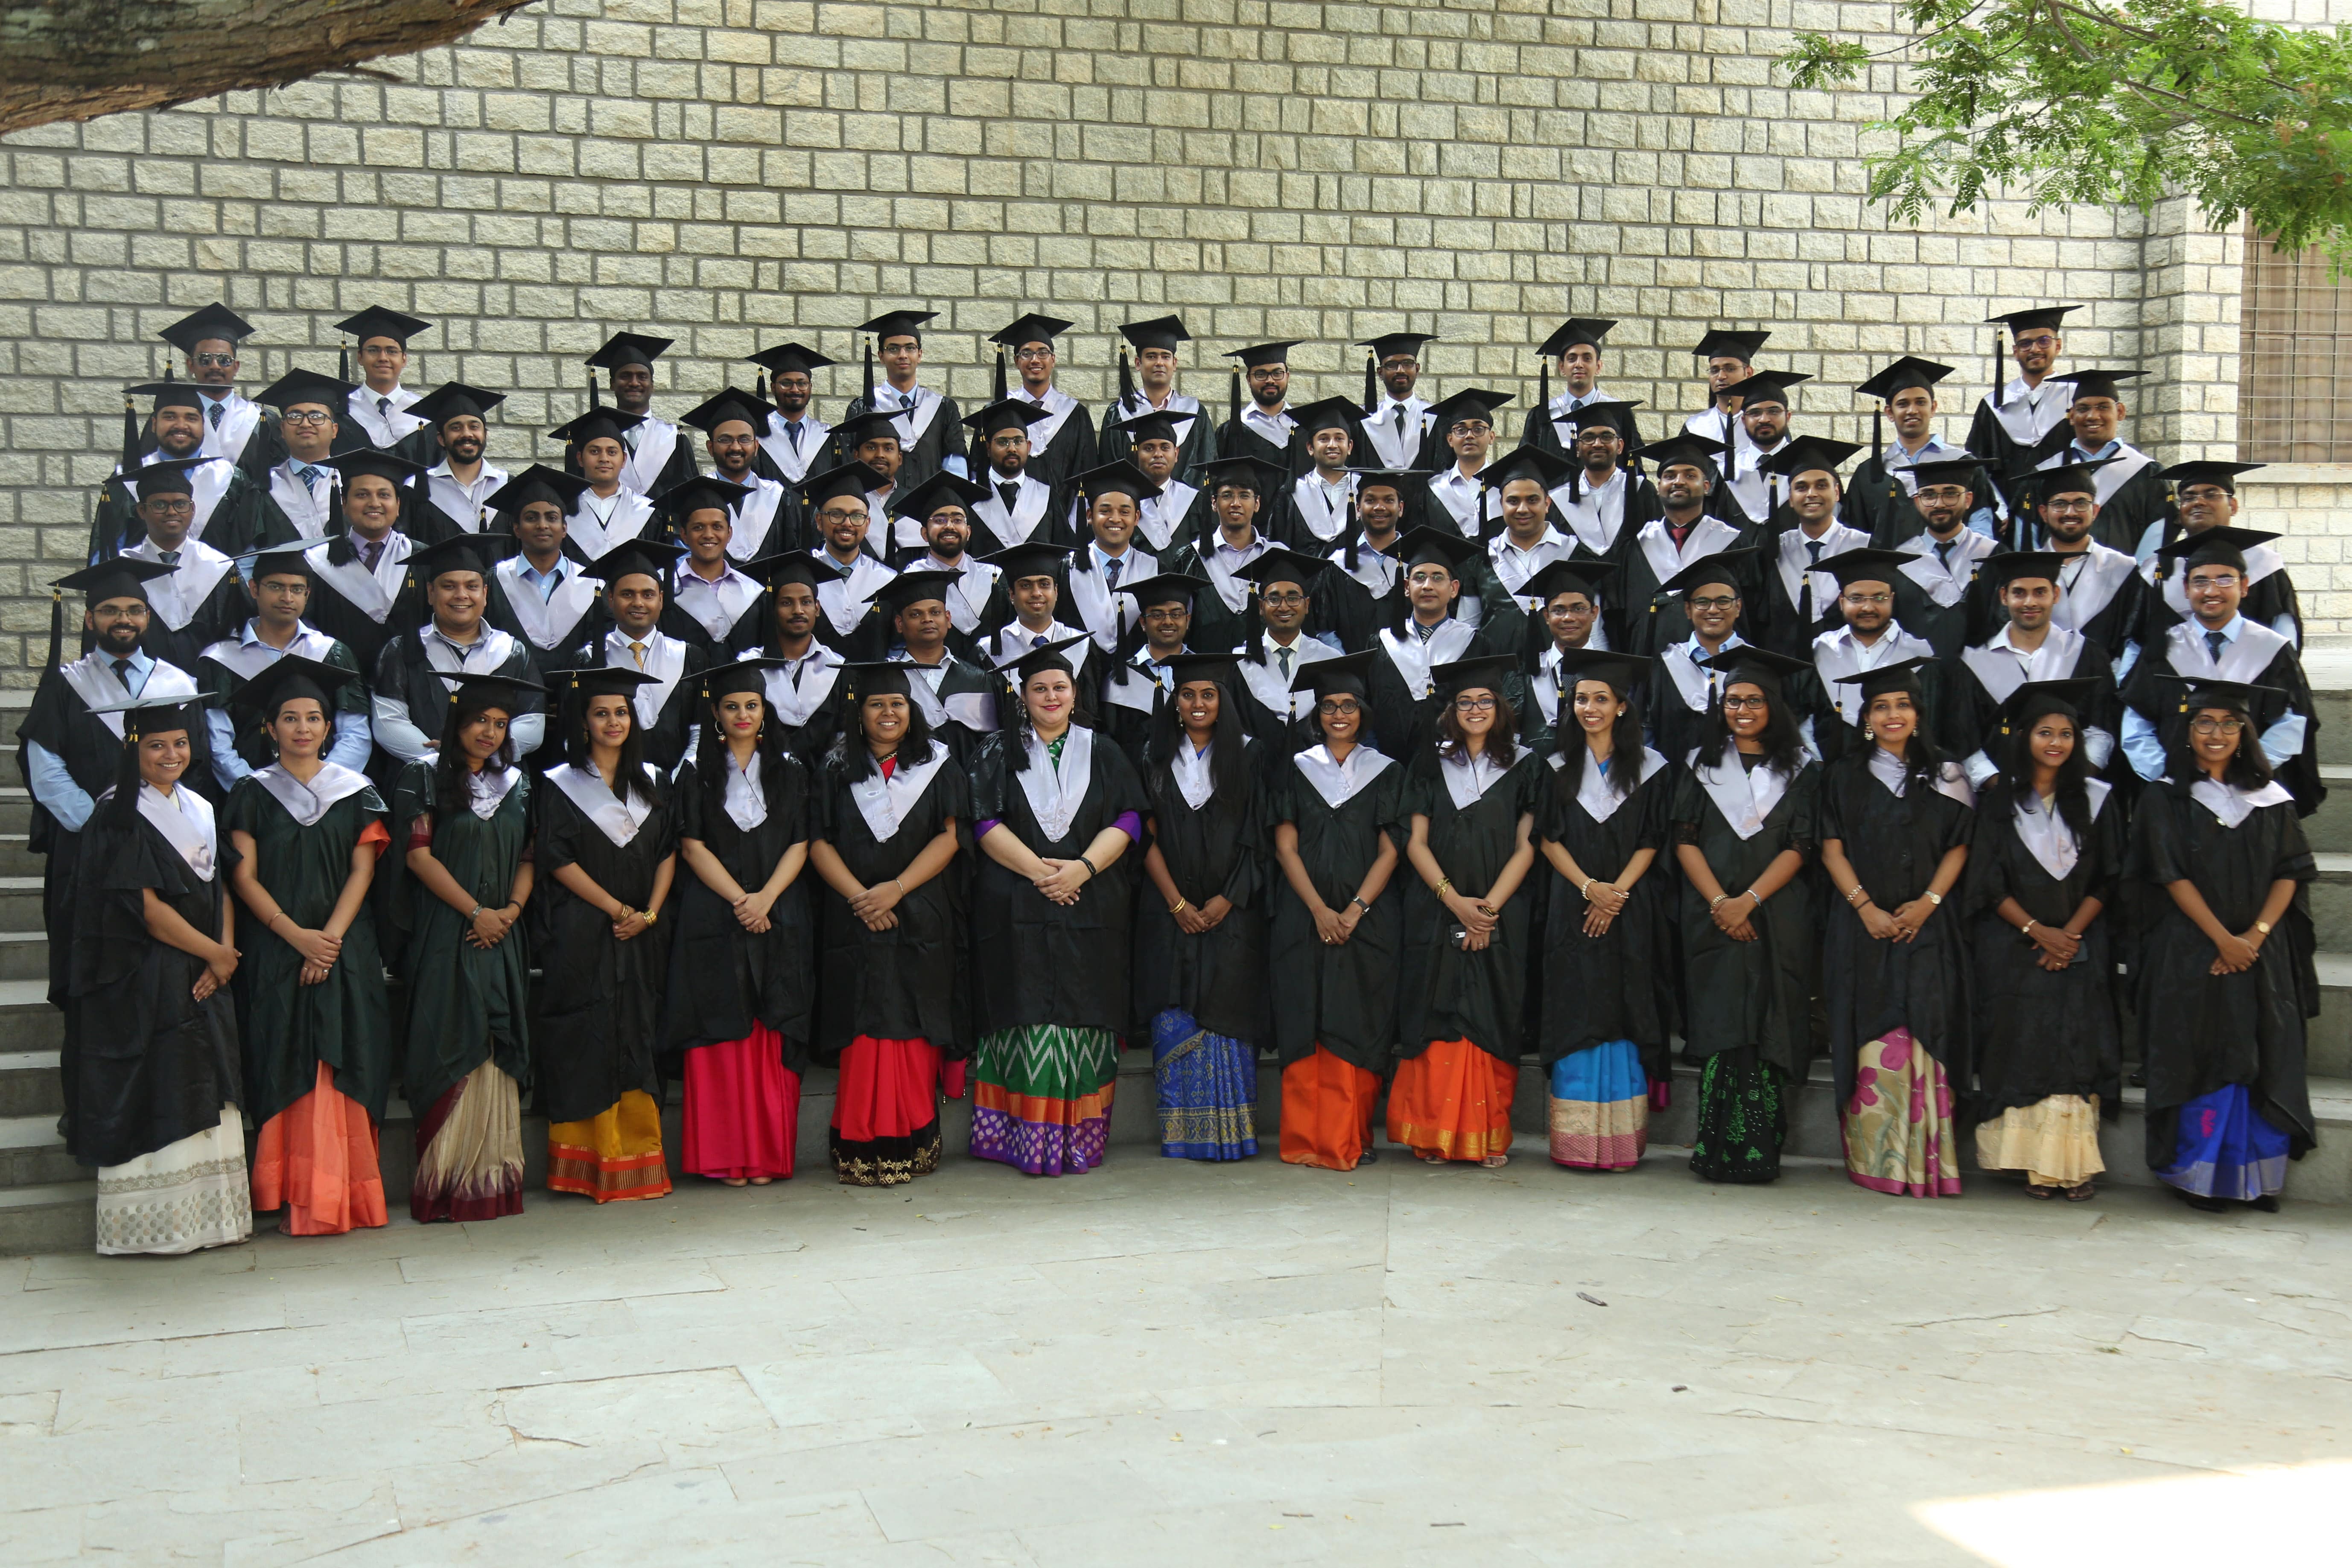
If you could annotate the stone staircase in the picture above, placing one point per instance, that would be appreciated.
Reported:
(47, 1200)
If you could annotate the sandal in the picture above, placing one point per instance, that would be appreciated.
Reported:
(1496, 1162)
(1430, 1159)
(2082, 1194)
(2040, 1194)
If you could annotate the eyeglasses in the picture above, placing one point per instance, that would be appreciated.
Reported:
(221, 361)
(1471, 427)
(1744, 705)
(1283, 598)
(2037, 341)
(1879, 599)
(734, 440)
(833, 515)
(2227, 580)
(306, 416)
(1430, 579)
(1032, 356)
(1474, 705)
(2216, 726)
(180, 507)
(1338, 707)
(1717, 601)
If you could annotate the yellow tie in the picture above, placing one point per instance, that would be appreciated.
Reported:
(638, 650)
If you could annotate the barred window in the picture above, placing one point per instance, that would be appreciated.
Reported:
(2294, 351)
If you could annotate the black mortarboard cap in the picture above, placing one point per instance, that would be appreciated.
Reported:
(1166, 588)
(2198, 691)
(1622, 672)
(1903, 374)
(601, 681)
(1570, 576)
(1748, 662)
(166, 477)
(304, 386)
(1117, 477)
(2066, 478)
(1030, 328)
(2204, 473)
(212, 321)
(841, 479)
(123, 577)
(914, 587)
(2099, 382)
(1998, 570)
(648, 557)
(1262, 477)
(787, 357)
(1727, 567)
(1190, 665)
(454, 399)
(1470, 403)
(1958, 469)
(144, 716)
(292, 676)
(1389, 343)
(1805, 453)
(538, 482)
(881, 678)
(1004, 414)
(1032, 558)
(1328, 414)
(1258, 354)
(1867, 565)
(629, 348)
(381, 321)
(168, 395)
(1160, 332)
(941, 489)
(860, 428)
(1684, 446)
(365, 461)
(726, 403)
(1426, 546)
(1765, 386)
(2033, 316)
(1615, 413)
(897, 324)
(596, 421)
(743, 676)
(1151, 424)
(1032, 661)
(2034, 698)
(1488, 670)
(703, 491)
(1586, 329)
(1724, 343)
(1280, 564)
(1549, 469)
(793, 566)
(1896, 675)
(2189, 546)
(1330, 677)
(279, 560)
(465, 552)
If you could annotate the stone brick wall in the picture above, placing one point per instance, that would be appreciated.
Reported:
(731, 172)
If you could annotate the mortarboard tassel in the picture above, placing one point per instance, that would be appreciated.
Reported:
(57, 634)
(1995, 395)
(1234, 402)
(344, 361)
(1371, 384)
(868, 395)
(1877, 434)
(996, 387)
(1126, 382)
(1543, 381)
(1575, 477)
(595, 400)
(130, 439)
(1355, 535)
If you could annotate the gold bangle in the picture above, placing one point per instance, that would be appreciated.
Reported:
(1445, 886)
(1180, 906)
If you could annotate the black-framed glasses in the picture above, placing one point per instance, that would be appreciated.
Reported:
(1338, 707)
(2216, 726)
(1878, 598)
(1714, 602)
(1284, 599)
(1744, 705)
(306, 416)
(1474, 705)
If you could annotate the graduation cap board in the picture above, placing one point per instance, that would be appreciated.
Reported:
(1577, 331)
(1724, 344)
(214, 323)
(1427, 546)
(454, 399)
(897, 324)
(1999, 570)
(635, 558)
(1343, 676)
(2033, 317)
(725, 405)
(171, 477)
(1120, 477)
(842, 479)
(1166, 588)
(2066, 479)
(873, 425)
(1903, 375)
(1961, 470)
(629, 348)
(2225, 475)
(2098, 383)
(1030, 328)
(1560, 577)
(1279, 564)
(299, 386)
(475, 553)
(941, 491)
(787, 357)
(1027, 664)
(609, 424)
(703, 493)
(1389, 345)
(2224, 544)
(287, 559)
(1471, 403)
(1722, 570)
(915, 588)
(1261, 355)
(291, 676)
(1328, 414)
(1151, 424)
(780, 571)
(1808, 454)
(743, 676)
(381, 321)
(1757, 666)
(142, 717)
(1253, 475)
(368, 461)
(1684, 448)
(1033, 559)
(1867, 565)
(1897, 675)
(1548, 469)
(1160, 332)
(2035, 699)
(1004, 414)
(168, 395)
(124, 577)
(1486, 672)
(1765, 386)
(538, 482)
(1621, 672)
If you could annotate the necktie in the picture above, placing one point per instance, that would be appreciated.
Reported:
(1805, 594)
(1285, 654)
(1006, 492)
(123, 673)
(638, 652)
(383, 409)
(372, 553)
(214, 411)
(2214, 643)
(169, 557)
(796, 673)
(793, 434)
(1110, 572)
(309, 474)
(1944, 554)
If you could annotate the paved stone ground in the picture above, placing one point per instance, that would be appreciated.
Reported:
(1163, 1362)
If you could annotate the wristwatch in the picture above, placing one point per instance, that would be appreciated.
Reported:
(1932, 896)
(1359, 903)
(2264, 926)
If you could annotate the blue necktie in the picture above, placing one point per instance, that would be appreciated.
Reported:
(2214, 643)
(214, 410)
(311, 474)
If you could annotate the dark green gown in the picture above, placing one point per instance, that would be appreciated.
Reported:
(466, 1005)
(1445, 992)
(1748, 1005)
(600, 1015)
(345, 1020)
(722, 978)
(1342, 999)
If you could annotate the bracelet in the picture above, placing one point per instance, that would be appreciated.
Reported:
(1856, 895)
(475, 914)
(1358, 902)
(1180, 906)
(651, 916)
(1445, 886)
(2027, 929)
(1932, 896)
(1757, 896)
(1586, 891)
(1091, 871)
(1717, 902)
(900, 885)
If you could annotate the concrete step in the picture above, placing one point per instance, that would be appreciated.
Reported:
(2332, 705)
(16, 806)
(29, 1085)
(61, 1218)
(32, 1154)
(2329, 828)
(2331, 903)
(20, 902)
(27, 1022)
(24, 955)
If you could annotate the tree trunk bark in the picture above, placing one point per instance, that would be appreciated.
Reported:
(77, 59)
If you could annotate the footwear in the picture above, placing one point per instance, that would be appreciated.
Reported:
(1496, 1162)
(1371, 1157)
(2266, 1204)
(2082, 1194)
(1432, 1159)
(2203, 1205)
(2040, 1194)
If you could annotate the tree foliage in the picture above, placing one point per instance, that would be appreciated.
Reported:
(2080, 102)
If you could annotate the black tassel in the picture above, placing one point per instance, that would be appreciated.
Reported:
(1996, 365)
(869, 374)
(1575, 477)
(996, 387)
(1125, 384)
(57, 633)
(130, 440)
(1234, 402)
(1355, 535)
(1371, 384)
(343, 364)
(1878, 435)
(595, 400)
(1543, 386)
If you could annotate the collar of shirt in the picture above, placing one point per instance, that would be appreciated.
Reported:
(1246, 554)
(1690, 645)
(1568, 402)
(2229, 633)
(689, 578)
(142, 664)
(894, 401)
(217, 394)
(2075, 451)
(2016, 391)
(1279, 422)
(433, 630)
(251, 636)
(1551, 535)
(529, 573)
(600, 506)
(1933, 446)
(1126, 557)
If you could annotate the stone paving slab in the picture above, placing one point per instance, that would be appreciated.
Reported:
(1166, 1362)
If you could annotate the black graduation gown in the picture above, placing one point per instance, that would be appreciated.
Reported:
(959, 679)
(466, 1005)
(223, 613)
(1342, 999)
(2137, 502)
(2200, 1031)
(354, 628)
(722, 978)
(146, 1063)
(289, 1028)
(1990, 439)
(403, 671)
(1072, 450)
(1742, 995)
(1445, 992)
(664, 739)
(2038, 1033)
(1124, 719)
(1620, 985)
(2116, 621)
(600, 1003)
(1876, 502)
(233, 526)
(2264, 603)
(1217, 627)
(1969, 717)
(909, 982)
(2149, 691)
(941, 439)
(1347, 610)
(1894, 843)
(1218, 977)
(1235, 439)
(1034, 961)
(1653, 619)
(813, 736)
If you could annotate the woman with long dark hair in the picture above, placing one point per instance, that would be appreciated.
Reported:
(890, 803)
(463, 822)
(741, 991)
(1200, 952)
(1464, 990)
(152, 1081)
(1341, 824)
(2050, 842)
(314, 1016)
(1897, 817)
(1743, 828)
(2226, 980)
(608, 844)
(1058, 807)
(1608, 947)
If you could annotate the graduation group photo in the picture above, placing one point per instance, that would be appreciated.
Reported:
(1400, 772)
